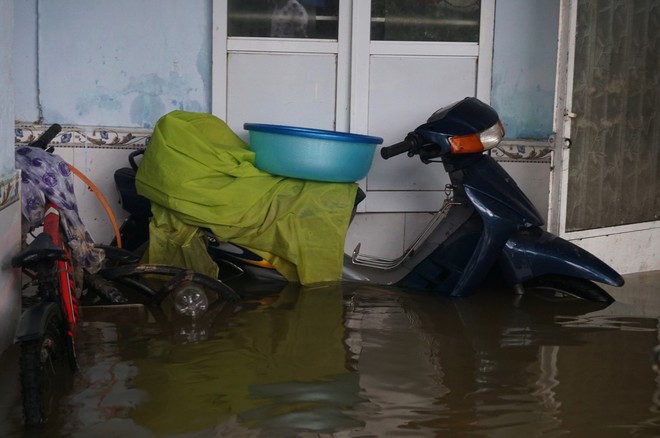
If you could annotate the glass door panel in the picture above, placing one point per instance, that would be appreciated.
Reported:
(316, 19)
(414, 20)
(614, 171)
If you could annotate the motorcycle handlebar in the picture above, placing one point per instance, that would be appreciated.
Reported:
(131, 158)
(48, 136)
(397, 148)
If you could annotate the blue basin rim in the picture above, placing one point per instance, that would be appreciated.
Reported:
(312, 133)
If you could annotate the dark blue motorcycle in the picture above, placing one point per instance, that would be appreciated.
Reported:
(486, 231)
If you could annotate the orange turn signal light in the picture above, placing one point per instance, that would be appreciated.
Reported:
(477, 142)
(466, 144)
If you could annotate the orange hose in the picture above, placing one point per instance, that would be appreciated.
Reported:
(105, 204)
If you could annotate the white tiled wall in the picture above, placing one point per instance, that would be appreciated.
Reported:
(99, 166)
(10, 231)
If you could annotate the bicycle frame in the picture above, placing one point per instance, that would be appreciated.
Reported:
(66, 276)
(53, 264)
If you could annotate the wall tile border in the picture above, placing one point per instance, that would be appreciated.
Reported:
(9, 186)
(87, 137)
(536, 151)
(516, 150)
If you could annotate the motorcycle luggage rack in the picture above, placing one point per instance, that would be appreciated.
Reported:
(388, 264)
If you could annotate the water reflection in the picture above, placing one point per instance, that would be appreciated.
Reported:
(512, 368)
(279, 360)
(364, 361)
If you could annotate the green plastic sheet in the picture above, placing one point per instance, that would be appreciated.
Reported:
(200, 174)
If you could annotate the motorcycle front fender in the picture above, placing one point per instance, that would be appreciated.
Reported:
(534, 252)
(499, 224)
(494, 235)
(32, 324)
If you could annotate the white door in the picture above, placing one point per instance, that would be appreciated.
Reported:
(605, 193)
(370, 67)
(402, 74)
(281, 62)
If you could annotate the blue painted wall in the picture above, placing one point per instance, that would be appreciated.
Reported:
(524, 65)
(25, 60)
(115, 63)
(6, 96)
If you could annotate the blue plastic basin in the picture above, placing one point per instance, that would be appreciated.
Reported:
(312, 154)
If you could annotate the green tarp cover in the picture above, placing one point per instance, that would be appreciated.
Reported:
(200, 174)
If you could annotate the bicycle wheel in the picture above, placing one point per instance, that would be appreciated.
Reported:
(43, 368)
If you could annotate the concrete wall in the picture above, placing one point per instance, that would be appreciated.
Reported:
(25, 61)
(119, 63)
(10, 225)
(6, 87)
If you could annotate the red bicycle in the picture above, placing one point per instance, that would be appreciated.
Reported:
(48, 326)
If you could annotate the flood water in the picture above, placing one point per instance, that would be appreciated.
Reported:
(363, 361)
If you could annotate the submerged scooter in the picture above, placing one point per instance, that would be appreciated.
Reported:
(486, 229)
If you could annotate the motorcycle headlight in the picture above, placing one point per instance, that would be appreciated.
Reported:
(477, 142)
(190, 300)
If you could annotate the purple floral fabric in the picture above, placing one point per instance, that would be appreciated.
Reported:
(47, 175)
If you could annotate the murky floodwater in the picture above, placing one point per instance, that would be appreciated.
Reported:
(362, 361)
